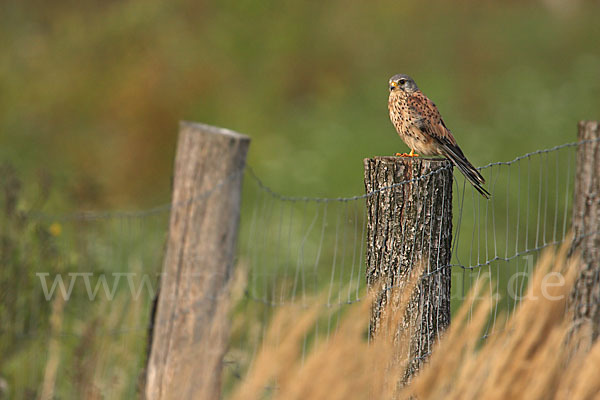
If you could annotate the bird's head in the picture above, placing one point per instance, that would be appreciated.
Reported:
(402, 82)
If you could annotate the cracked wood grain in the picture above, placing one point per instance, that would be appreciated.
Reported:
(190, 330)
(410, 225)
(586, 226)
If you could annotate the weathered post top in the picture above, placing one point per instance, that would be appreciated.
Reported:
(190, 327)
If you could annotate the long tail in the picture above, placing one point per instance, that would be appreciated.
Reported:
(455, 154)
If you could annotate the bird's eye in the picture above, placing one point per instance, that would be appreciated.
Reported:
(402, 81)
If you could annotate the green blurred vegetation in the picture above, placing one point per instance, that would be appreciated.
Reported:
(92, 91)
(93, 345)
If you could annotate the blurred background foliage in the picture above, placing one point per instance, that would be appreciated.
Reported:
(92, 91)
(91, 94)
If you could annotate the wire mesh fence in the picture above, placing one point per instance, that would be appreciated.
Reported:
(297, 247)
(77, 289)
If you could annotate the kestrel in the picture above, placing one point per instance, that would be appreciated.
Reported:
(420, 126)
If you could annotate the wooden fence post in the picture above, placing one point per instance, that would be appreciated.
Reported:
(586, 227)
(190, 331)
(410, 224)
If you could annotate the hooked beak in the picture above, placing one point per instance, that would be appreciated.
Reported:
(393, 85)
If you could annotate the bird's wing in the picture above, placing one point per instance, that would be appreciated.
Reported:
(428, 119)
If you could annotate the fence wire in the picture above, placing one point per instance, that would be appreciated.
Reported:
(296, 252)
(296, 248)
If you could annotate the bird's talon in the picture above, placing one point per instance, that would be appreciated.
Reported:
(411, 154)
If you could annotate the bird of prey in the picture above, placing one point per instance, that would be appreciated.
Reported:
(420, 126)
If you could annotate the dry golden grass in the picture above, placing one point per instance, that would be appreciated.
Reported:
(533, 357)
